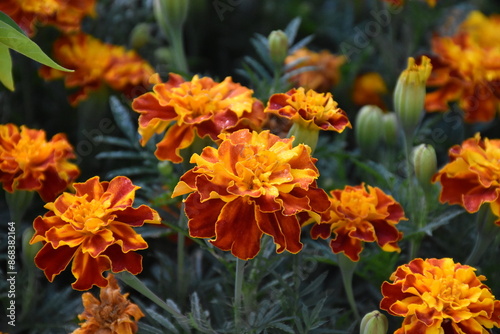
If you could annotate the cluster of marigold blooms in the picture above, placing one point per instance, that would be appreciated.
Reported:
(246, 171)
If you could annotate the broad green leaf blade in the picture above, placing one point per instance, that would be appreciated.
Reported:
(6, 18)
(6, 68)
(19, 42)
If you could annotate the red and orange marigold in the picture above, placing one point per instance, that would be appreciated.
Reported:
(472, 177)
(112, 313)
(357, 216)
(66, 15)
(440, 296)
(200, 107)
(257, 176)
(323, 69)
(96, 63)
(29, 162)
(94, 229)
(466, 69)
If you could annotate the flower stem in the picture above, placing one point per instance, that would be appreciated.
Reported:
(487, 231)
(179, 55)
(347, 268)
(238, 286)
(181, 254)
(18, 202)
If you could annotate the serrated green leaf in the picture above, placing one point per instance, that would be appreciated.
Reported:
(283, 327)
(19, 42)
(6, 68)
(163, 321)
(120, 155)
(122, 118)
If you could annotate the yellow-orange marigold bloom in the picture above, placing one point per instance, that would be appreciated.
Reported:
(253, 184)
(200, 107)
(368, 89)
(440, 296)
(29, 162)
(66, 15)
(94, 229)
(112, 313)
(96, 63)
(357, 216)
(466, 69)
(312, 110)
(325, 73)
(472, 177)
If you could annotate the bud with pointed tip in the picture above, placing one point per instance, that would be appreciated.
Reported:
(374, 323)
(367, 129)
(278, 46)
(424, 163)
(390, 128)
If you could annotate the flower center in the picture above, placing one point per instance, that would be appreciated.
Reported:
(87, 216)
(30, 151)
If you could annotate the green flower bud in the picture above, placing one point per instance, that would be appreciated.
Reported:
(170, 14)
(409, 94)
(165, 168)
(278, 46)
(367, 129)
(424, 163)
(390, 128)
(140, 35)
(374, 323)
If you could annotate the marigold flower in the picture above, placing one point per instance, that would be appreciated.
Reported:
(440, 296)
(66, 15)
(311, 109)
(200, 107)
(326, 73)
(97, 63)
(29, 162)
(356, 216)
(397, 3)
(466, 69)
(472, 177)
(94, 229)
(260, 177)
(368, 89)
(112, 314)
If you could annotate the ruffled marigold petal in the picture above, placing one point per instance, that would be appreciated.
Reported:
(88, 271)
(54, 261)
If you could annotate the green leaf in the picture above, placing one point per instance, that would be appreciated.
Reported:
(6, 18)
(6, 68)
(17, 41)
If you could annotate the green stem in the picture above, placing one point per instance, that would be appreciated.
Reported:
(18, 203)
(487, 231)
(347, 268)
(238, 286)
(176, 39)
(181, 255)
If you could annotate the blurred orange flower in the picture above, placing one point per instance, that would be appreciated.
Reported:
(472, 176)
(66, 15)
(112, 314)
(440, 296)
(96, 63)
(466, 69)
(200, 107)
(94, 229)
(323, 74)
(29, 162)
(357, 216)
(260, 177)
(368, 89)
(397, 3)
(312, 110)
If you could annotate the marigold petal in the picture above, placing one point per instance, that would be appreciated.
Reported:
(120, 193)
(176, 138)
(351, 247)
(285, 230)
(54, 261)
(92, 188)
(97, 242)
(241, 236)
(137, 216)
(321, 231)
(126, 237)
(88, 271)
(120, 261)
(202, 215)
(65, 235)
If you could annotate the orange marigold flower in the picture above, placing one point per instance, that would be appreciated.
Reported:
(96, 63)
(324, 72)
(397, 3)
(200, 107)
(260, 177)
(94, 229)
(66, 15)
(440, 296)
(472, 176)
(356, 216)
(466, 69)
(112, 314)
(311, 109)
(29, 162)
(368, 89)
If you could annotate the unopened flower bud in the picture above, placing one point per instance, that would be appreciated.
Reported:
(165, 168)
(170, 14)
(140, 35)
(367, 129)
(390, 128)
(424, 163)
(409, 94)
(278, 46)
(374, 323)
